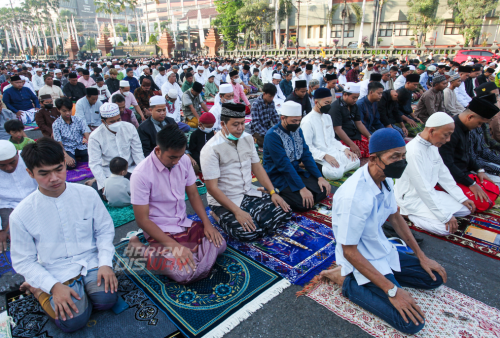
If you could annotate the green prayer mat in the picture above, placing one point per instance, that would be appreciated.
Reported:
(201, 190)
(120, 216)
(339, 182)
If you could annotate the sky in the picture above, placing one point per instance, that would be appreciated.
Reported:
(5, 3)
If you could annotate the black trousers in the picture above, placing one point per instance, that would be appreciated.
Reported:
(294, 199)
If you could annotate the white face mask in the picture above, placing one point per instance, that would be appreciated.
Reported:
(238, 80)
(125, 94)
(207, 130)
(115, 126)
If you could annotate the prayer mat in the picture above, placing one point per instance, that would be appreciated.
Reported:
(80, 173)
(449, 313)
(480, 233)
(248, 119)
(237, 287)
(321, 212)
(5, 263)
(120, 216)
(142, 318)
(30, 126)
(297, 251)
(339, 182)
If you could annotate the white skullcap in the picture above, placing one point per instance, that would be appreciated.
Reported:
(220, 69)
(185, 67)
(124, 83)
(226, 88)
(431, 68)
(38, 70)
(57, 71)
(291, 108)
(200, 68)
(109, 63)
(108, 110)
(172, 93)
(27, 66)
(412, 67)
(169, 73)
(277, 76)
(157, 100)
(352, 87)
(7, 150)
(117, 66)
(438, 119)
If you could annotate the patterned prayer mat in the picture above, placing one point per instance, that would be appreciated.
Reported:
(449, 313)
(339, 182)
(298, 251)
(120, 216)
(31, 126)
(237, 287)
(321, 212)
(141, 319)
(5, 263)
(478, 232)
(80, 173)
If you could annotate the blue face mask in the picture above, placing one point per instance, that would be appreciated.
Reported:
(231, 136)
(313, 92)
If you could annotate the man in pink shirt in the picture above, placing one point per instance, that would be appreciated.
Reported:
(129, 98)
(239, 93)
(183, 250)
(86, 79)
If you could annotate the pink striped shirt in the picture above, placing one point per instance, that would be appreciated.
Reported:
(239, 94)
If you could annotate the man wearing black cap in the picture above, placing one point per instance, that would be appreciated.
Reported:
(462, 96)
(87, 108)
(405, 95)
(308, 76)
(489, 130)
(228, 160)
(299, 95)
(47, 115)
(353, 74)
(20, 100)
(368, 72)
(73, 89)
(433, 99)
(239, 92)
(456, 153)
(363, 85)
(401, 80)
(389, 112)
(485, 77)
(50, 88)
(471, 83)
(331, 84)
(192, 105)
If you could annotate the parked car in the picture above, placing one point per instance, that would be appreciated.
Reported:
(463, 55)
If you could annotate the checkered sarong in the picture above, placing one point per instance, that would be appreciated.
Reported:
(413, 131)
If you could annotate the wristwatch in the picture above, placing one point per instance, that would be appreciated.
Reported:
(481, 171)
(274, 191)
(392, 292)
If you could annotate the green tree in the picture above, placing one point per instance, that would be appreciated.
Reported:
(470, 14)
(228, 22)
(90, 45)
(422, 16)
(255, 17)
(109, 7)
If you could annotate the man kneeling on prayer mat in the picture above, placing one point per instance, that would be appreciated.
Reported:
(227, 162)
(284, 149)
(332, 157)
(426, 207)
(62, 241)
(456, 153)
(183, 250)
(371, 272)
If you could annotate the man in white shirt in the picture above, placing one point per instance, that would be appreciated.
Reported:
(104, 93)
(308, 74)
(331, 156)
(225, 95)
(49, 88)
(462, 97)
(62, 242)
(161, 78)
(451, 103)
(279, 98)
(199, 76)
(111, 139)
(170, 84)
(426, 207)
(15, 185)
(217, 73)
(38, 80)
(267, 73)
(401, 80)
(371, 271)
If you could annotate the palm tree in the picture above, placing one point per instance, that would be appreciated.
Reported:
(377, 28)
(108, 7)
(346, 13)
(360, 38)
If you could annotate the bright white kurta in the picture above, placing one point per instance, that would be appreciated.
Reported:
(462, 96)
(104, 146)
(415, 192)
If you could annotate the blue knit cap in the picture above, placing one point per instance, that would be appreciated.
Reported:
(321, 93)
(385, 139)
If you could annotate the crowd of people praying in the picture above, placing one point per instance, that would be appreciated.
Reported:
(421, 138)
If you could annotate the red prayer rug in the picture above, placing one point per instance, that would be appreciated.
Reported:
(449, 313)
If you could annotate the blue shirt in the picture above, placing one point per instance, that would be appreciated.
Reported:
(244, 77)
(359, 209)
(90, 114)
(286, 87)
(20, 99)
(424, 78)
(283, 151)
(134, 84)
(70, 134)
(369, 114)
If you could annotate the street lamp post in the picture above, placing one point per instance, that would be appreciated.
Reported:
(298, 29)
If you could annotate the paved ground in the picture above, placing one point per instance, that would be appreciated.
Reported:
(287, 316)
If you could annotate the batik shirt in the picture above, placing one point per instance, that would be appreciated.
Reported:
(70, 134)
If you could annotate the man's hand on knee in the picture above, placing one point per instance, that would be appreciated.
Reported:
(61, 296)
(110, 281)
(245, 220)
(407, 307)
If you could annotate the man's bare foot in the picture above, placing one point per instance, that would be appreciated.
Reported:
(217, 219)
(90, 182)
(28, 289)
(135, 248)
(332, 276)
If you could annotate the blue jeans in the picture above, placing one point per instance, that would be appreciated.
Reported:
(371, 298)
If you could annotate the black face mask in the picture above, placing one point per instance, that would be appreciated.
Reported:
(48, 106)
(325, 109)
(292, 127)
(395, 169)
